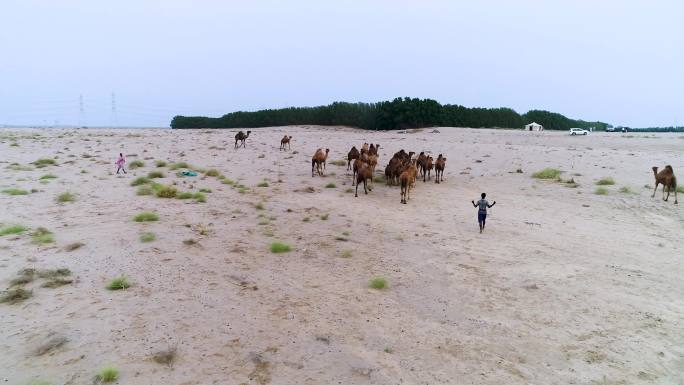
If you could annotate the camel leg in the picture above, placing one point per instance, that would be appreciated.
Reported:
(364, 186)
(664, 191)
(655, 189)
(357, 191)
(675, 192)
(668, 193)
(313, 162)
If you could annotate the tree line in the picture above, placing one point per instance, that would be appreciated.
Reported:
(400, 113)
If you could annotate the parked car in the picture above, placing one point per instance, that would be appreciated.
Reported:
(578, 131)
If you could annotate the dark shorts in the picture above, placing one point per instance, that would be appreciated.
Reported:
(481, 216)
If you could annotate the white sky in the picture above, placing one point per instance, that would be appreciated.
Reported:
(615, 61)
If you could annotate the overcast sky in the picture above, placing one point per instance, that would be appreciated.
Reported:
(612, 60)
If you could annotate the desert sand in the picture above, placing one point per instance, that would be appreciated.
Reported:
(564, 287)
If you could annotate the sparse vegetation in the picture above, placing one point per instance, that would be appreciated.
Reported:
(42, 236)
(330, 185)
(346, 254)
(279, 247)
(601, 191)
(160, 163)
(213, 172)
(44, 162)
(147, 237)
(185, 195)
(349, 190)
(199, 197)
(625, 190)
(680, 189)
(378, 283)
(108, 374)
(146, 217)
(205, 190)
(57, 282)
(325, 217)
(605, 182)
(118, 283)
(547, 173)
(144, 190)
(189, 242)
(166, 356)
(48, 176)
(18, 167)
(14, 191)
(178, 165)
(263, 184)
(155, 174)
(136, 164)
(73, 246)
(15, 295)
(228, 181)
(339, 162)
(12, 229)
(167, 192)
(259, 206)
(66, 197)
(306, 219)
(140, 181)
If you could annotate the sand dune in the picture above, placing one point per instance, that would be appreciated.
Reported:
(564, 287)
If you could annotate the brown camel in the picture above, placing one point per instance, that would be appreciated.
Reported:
(440, 164)
(374, 150)
(353, 154)
(420, 162)
(363, 174)
(407, 179)
(285, 140)
(373, 163)
(241, 137)
(429, 165)
(358, 163)
(667, 178)
(364, 148)
(318, 160)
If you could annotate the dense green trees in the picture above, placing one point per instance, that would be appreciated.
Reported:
(399, 113)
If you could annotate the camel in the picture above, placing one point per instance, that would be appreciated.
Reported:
(362, 175)
(373, 163)
(353, 154)
(318, 160)
(440, 163)
(407, 179)
(420, 162)
(428, 167)
(667, 178)
(364, 148)
(374, 150)
(285, 140)
(358, 163)
(241, 137)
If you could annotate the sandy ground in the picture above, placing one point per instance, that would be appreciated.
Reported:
(564, 287)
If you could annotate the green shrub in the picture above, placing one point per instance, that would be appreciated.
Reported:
(547, 173)
(279, 247)
(378, 283)
(601, 191)
(167, 192)
(147, 237)
(228, 181)
(330, 185)
(263, 184)
(15, 191)
(259, 206)
(324, 217)
(185, 195)
(118, 283)
(212, 172)
(12, 229)
(146, 217)
(136, 164)
(44, 162)
(346, 254)
(160, 163)
(144, 190)
(199, 197)
(15, 295)
(139, 181)
(42, 236)
(205, 190)
(48, 176)
(625, 190)
(177, 165)
(605, 182)
(679, 189)
(155, 174)
(108, 374)
(66, 197)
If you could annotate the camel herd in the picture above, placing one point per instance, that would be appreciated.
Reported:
(403, 169)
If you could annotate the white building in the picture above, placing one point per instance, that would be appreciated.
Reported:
(534, 127)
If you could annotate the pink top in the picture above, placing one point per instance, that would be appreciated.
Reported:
(120, 162)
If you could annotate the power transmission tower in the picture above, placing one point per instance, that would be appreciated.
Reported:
(115, 119)
(81, 112)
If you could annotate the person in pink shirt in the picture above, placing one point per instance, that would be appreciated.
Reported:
(120, 163)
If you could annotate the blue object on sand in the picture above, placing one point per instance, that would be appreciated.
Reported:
(189, 173)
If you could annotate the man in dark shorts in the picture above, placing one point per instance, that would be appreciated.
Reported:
(482, 206)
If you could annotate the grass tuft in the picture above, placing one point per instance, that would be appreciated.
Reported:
(325, 217)
(147, 237)
(74, 246)
(263, 184)
(160, 163)
(12, 229)
(228, 181)
(330, 185)
(259, 206)
(146, 216)
(166, 356)
(155, 174)
(199, 197)
(205, 190)
(339, 162)
(167, 192)
(15, 191)
(66, 197)
(547, 173)
(178, 165)
(144, 190)
(108, 374)
(601, 191)
(185, 195)
(44, 162)
(279, 247)
(42, 236)
(118, 283)
(213, 172)
(605, 182)
(136, 164)
(625, 190)
(15, 295)
(139, 181)
(378, 283)
(346, 254)
(48, 176)
(57, 282)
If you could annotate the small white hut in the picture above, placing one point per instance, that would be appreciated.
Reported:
(534, 126)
